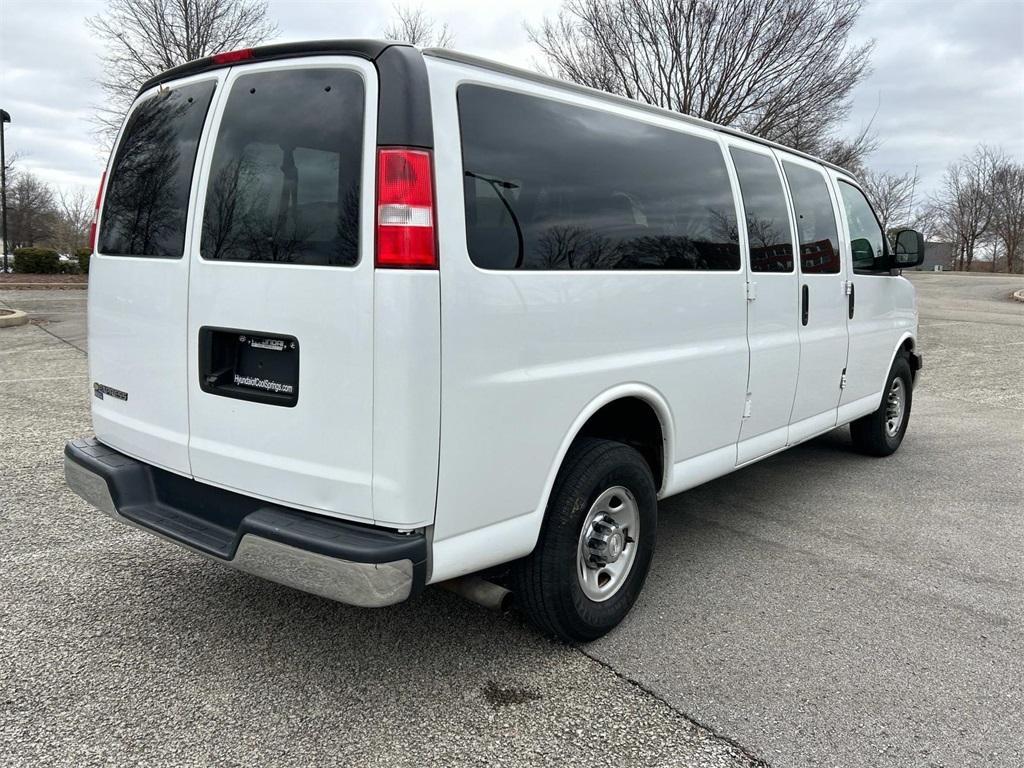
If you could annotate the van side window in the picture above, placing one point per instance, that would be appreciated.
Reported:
(764, 205)
(490, 208)
(146, 201)
(815, 220)
(554, 186)
(284, 181)
(867, 241)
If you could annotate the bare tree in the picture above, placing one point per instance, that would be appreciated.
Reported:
(142, 38)
(73, 215)
(849, 153)
(780, 69)
(10, 174)
(1008, 214)
(963, 210)
(30, 210)
(891, 195)
(415, 25)
(11, 166)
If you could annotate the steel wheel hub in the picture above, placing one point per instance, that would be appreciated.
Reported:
(607, 544)
(605, 541)
(895, 407)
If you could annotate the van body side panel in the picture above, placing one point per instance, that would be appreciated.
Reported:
(138, 281)
(524, 352)
(284, 254)
(406, 396)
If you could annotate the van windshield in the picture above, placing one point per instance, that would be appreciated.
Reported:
(284, 182)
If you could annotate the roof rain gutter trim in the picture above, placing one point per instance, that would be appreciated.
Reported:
(537, 77)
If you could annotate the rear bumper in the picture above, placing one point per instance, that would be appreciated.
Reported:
(351, 563)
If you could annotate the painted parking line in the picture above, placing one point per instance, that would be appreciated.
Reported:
(46, 378)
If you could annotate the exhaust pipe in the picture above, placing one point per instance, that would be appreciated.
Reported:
(476, 590)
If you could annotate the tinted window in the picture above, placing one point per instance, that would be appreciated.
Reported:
(553, 186)
(764, 205)
(815, 220)
(284, 182)
(866, 239)
(146, 201)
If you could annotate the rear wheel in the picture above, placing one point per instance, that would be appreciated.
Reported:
(880, 433)
(595, 546)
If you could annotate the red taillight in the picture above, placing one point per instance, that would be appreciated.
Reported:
(230, 57)
(405, 209)
(96, 214)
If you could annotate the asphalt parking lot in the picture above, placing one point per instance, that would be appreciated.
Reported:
(817, 609)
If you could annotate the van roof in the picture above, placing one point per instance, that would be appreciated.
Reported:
(537, 77)
(372, 49)
(364, 49)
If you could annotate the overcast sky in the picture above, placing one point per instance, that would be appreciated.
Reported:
(947, 74)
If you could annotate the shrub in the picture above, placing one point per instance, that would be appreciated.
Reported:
(38, 261)
(83, 255)
(70, 268)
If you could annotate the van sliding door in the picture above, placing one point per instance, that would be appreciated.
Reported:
(824, 338)
(772, 313)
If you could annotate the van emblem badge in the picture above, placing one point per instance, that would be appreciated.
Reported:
(99, 390)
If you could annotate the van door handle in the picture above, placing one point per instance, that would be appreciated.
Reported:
(851, 289)
(806, 300)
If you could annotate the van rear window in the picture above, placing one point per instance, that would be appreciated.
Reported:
(550, 185)
(146, 201)
(284, 182)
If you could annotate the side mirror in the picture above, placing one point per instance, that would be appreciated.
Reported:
(909, 249)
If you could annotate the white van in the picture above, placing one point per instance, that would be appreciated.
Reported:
(364, 318)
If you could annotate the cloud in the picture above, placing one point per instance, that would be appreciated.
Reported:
(47, 66)
(945, 75)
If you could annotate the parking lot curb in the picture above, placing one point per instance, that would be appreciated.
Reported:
(12, 317)
(43, 286)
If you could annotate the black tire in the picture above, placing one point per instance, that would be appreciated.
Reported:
(870, 433)
(546, 583)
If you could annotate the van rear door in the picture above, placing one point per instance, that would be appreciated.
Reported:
(280, 337)
(138, 286)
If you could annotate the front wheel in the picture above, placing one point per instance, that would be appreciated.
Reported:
(880, 433)
(595, 546)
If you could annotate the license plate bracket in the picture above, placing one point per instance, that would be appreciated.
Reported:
(258, 366)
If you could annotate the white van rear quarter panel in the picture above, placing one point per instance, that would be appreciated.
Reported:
(406, 396)
(524, 353)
